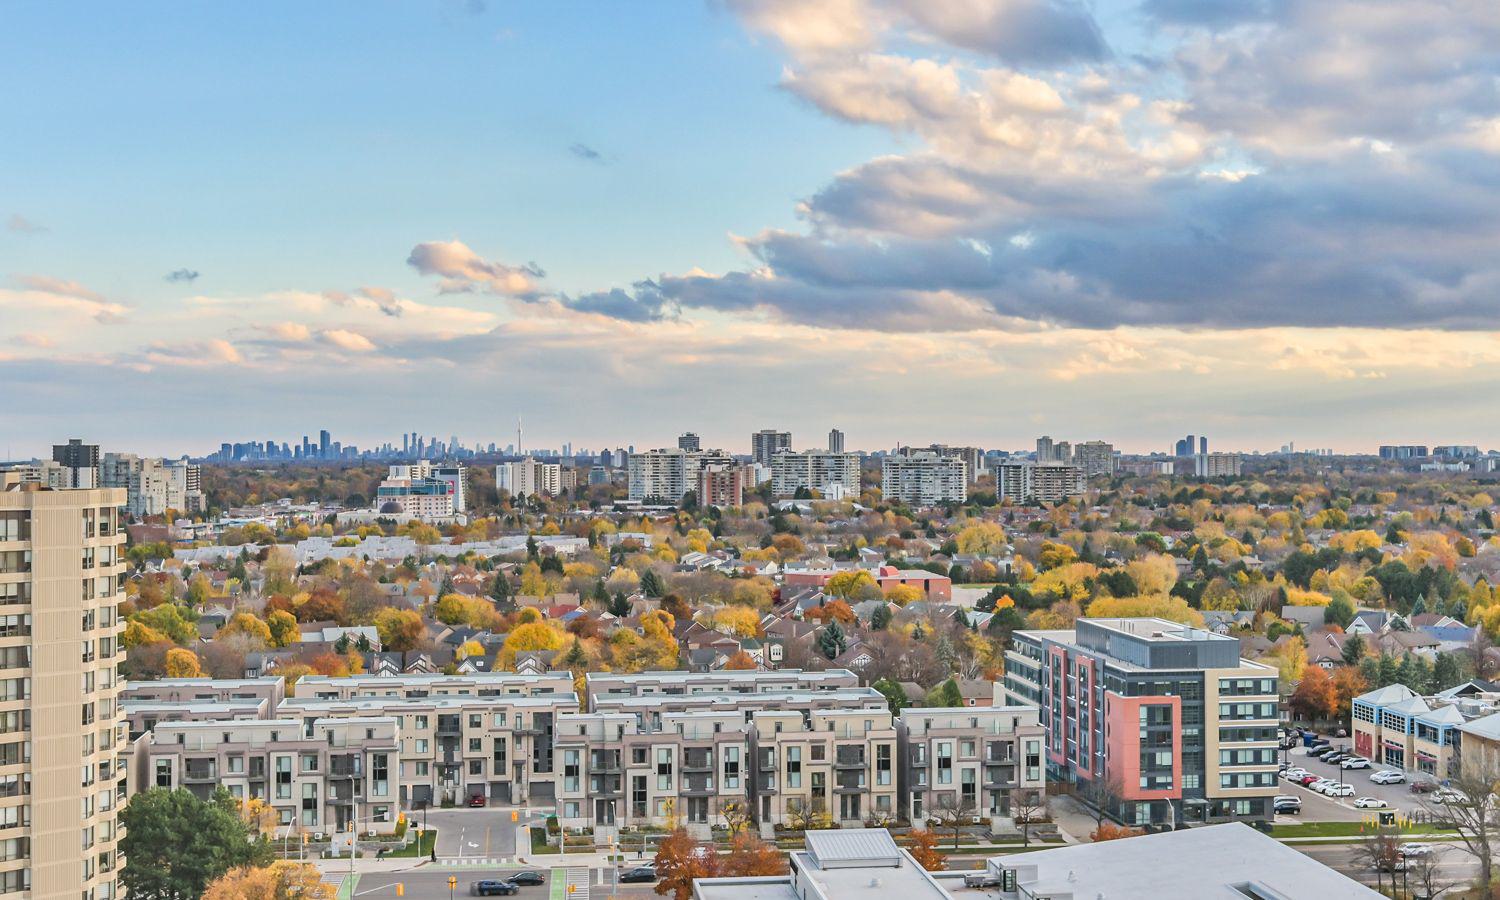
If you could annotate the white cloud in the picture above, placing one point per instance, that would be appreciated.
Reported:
(464, 270)
(344, 339)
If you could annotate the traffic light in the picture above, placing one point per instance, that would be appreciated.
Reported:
(515, 815)
(452, 881)
(400, 889)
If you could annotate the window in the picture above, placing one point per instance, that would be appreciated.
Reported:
(945, 762)
(15, 526)
(794, 767)
(731, 768)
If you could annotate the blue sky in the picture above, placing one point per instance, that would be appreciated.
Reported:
(970, 221)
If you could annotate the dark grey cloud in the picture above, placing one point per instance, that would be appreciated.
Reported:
(645, 302)
(178, 276)
(1019, 32)
(585, 152)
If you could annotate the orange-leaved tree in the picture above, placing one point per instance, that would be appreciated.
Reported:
(680, 861)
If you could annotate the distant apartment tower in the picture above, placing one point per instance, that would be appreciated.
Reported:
(529, 478)
(1053, 482)
(81, 462)
(456, 475)
(1217, 465)
(924, 479)
(766, 443)
(1095, 458)
(834, 475)
(1190, 446)
(414, 491)
(1403, 451)
(721, 486)
(1045, 452)
(61, 583)
(666, 475)
(325, 444)
(153, 486)
(1180, 727)
(835, 441)
(689, 441)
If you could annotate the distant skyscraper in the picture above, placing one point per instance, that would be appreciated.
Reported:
(81, 460)
(765, 443)
(324, 443)
(689, 441)
(1203, 444)
(1044, 449)
(835, 441)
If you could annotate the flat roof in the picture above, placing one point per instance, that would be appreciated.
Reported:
(1213, 861)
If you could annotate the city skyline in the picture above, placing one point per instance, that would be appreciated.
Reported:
(933, 218)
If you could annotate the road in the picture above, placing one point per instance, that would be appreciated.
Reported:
(1454, 865)
(431, 883)
(484, 836)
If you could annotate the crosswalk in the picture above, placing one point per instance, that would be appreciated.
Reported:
(477, 861)
(577, 881)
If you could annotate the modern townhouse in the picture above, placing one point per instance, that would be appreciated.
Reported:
(838, 764)
(320, 776)
(692, 769)
(271, 688)
(457, 747)
(142, 716)
(1167, 717)
(968, 760)
(478, 684)
(648, 710)
(672, 683)
(1394, 727)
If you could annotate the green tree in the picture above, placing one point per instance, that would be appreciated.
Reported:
(831, 640)
(651, 584)
(576, 660)
(500, 592)
(1448, 671)
(895, 696)
(1354, 649)
(1340, 610)
(880, 618)
(945, 694)
(175, 844)
(620, 607)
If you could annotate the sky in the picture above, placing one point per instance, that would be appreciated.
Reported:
(959, 221)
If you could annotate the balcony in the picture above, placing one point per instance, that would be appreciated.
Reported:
(766, 763)
(697, 762)
(200, 770)
(850, 758)
(698, 786)
(606, 764)
(345, 767)
(999, 778)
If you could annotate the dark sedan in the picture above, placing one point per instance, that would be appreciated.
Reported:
(638, 874)
(527, 878)
(493, 889)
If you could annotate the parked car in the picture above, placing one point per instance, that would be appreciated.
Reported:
(478, 800)
(493, 889)
(1309, 780)
(1336, 757)
(638, 874)
(1369, 803)
(1387, 776)
(981, 880)
(1423, 786)
(1415, 849)
(1448, 795)
(527, 878)
(1295, 773)
(1286, 803)
(1354, 762)
(1340, 790)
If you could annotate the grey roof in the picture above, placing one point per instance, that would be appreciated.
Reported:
(853, 847)
(1388, 695)
(1487, 727)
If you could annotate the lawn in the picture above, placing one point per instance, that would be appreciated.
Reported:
(412, 851)
(1345, 830)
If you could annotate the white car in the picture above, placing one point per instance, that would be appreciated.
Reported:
(1414, 850)
(1387, 776)
(1295, 772)
(1369, 803)
(1355, 762)
(1340, 790)
(1447, 795)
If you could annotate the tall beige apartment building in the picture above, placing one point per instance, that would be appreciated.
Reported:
(61, 731)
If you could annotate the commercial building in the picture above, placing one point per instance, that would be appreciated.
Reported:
(318, 775)
(834, 475)
(1217, 465)
(1397, 728)
(1026, 482)
(689, 441)
(415, 492)
(457, 477)
(1168, 717)
(529, 478)
(666, 475)
(924, 479)
(721, 486)
(835, 865)
(61, 584)
(1403, 451)
(153, 486)
(969, 760)
(768, 442)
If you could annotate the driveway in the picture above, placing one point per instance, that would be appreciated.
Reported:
(476, 834)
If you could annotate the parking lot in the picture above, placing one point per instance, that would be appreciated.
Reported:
(1317, 807)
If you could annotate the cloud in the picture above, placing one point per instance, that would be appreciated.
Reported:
(21, 225)
(383, 299)
(291, 332)
(31, 339)
(463, 270)
(182, 275)
(585, 152)
(42, 293)
(344, 339)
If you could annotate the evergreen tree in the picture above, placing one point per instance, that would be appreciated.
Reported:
(1354, 650)
(446, 587)
(599, 595)
(895, 695)
(651, 584)
(1457, 610)
(500, 592)
(1448, 671)
(1420, 606)
(532, 553)
(1388, 673)
(946, 694)
(831, 640)
(620, 607)
(576, 660)
(880, 618)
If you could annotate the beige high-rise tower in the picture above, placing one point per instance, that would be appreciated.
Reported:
(61, 733)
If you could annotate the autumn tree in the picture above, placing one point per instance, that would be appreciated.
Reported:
(248, 625)
(1109, 831)
(528, 637)
(1315, 698)
(741, 660)
(281, 880)
(751, 856)
(183, 663)
(680, 861)
(981, 539)
(400, 630)
(850, 584)
(283, 627)
(923, 846)
(737, 620)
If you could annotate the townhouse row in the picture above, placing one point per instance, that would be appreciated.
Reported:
(781, 748)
